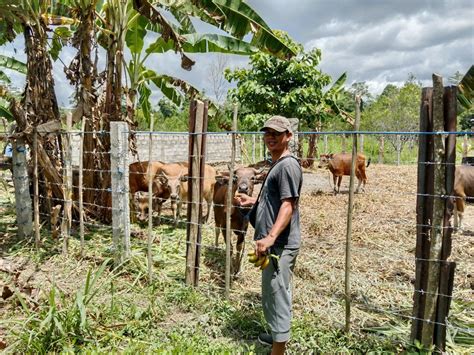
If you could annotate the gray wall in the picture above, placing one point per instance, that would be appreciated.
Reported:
(173, 147)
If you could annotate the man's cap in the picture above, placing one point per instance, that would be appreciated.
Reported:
(278, 123)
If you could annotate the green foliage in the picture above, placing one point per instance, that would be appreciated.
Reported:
(62, 323)
(293, 88)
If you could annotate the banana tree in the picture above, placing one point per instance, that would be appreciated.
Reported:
(38, 104)
(6, 93)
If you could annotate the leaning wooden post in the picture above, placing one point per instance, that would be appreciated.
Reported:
(194, 193)
(228, 207)
(22, 191)
(149, 240)
(350, 208)
(436, 232)
(120, 190)
(424, 210)
(36, 191)
(67, 186)
(80, 183)
(325, 137)
(361, 144)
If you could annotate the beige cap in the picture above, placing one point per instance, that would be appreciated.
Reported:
(278, 123)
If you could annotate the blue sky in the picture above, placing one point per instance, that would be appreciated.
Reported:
(376, 41)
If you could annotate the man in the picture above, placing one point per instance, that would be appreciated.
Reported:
(277, 230)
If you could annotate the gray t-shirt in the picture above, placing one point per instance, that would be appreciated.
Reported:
(283, 181)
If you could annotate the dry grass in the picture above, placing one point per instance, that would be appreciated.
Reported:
(382, 266)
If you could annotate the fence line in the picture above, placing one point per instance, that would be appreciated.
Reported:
(392, 256)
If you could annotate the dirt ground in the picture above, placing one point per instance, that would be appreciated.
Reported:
(383, 246)
(382, 255)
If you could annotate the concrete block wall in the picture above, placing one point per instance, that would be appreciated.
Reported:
(173, 147)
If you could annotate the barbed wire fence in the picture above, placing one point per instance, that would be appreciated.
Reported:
(366, 287)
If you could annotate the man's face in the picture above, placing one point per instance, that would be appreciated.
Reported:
(276, 141)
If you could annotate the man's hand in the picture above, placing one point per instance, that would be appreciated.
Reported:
(244, 200)
(262, 245)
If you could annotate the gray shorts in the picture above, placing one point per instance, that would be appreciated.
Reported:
(276, 293)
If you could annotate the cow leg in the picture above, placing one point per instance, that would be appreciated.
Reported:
(334, 180)
(217, 231)
(339, 180)
(178, 211)
(459, 211)
(358, 186)
(173, 212)
(237, 263)
(208, 212)
(133, 213)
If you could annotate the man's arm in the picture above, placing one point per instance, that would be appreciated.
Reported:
(283, 219)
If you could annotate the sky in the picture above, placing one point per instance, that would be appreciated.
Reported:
(374, 41)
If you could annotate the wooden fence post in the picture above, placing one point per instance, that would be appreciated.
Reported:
(80, 188)
(36, 191)
(347, 282)
(343, 143)
(22, 192)
(253, 149)
(436, 232)
(149, 240)
(399, 148)
(436, 159)
(381, 149)
(229, 201)
(197, 125)
(67, 185)
(120, 190)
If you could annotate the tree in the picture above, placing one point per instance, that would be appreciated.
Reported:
(105, 97)
(293, 88)
(395, 109)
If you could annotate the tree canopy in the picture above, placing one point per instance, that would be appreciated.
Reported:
(293, 88)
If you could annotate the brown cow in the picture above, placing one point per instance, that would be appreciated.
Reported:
(138, 184)
(340, 164)
(175, 177)
(244, 180)
(463, 188)
(170, 177)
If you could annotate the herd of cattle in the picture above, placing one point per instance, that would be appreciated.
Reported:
(170, 182)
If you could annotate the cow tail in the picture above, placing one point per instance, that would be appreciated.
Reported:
(368, 163)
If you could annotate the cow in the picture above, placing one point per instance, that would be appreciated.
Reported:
(340, 164)
(175, 177)
(170, 177)
(138, 186)
(463, 188)
(209, 181)
(244, 180)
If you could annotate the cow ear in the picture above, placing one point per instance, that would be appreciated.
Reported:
(222, 179)
(184, 178)
(330, 156)
(162, 179)
(258, 179)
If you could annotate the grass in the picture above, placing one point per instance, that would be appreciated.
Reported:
(72, 304)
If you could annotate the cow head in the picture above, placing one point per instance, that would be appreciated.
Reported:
(140, 201)
(243, 181)
(324, 160)
(172, 183)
